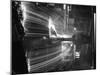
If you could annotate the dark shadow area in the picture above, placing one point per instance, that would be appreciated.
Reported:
(18, 55)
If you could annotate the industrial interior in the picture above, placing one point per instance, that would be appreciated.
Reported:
(52, 37)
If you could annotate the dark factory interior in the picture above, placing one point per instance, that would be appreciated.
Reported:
(52, 37)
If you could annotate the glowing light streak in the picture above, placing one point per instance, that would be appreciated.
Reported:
(37, 14)
(45, 63)
(41, 57)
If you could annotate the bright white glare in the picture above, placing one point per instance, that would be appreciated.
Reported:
(75, 29)
(71, 45)
(23, 8)
(28, 62)
(94, 23)
(63, 47)
(44, 37)
(77, 54)
(51, 26)
(64, 6)
(63, 36)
